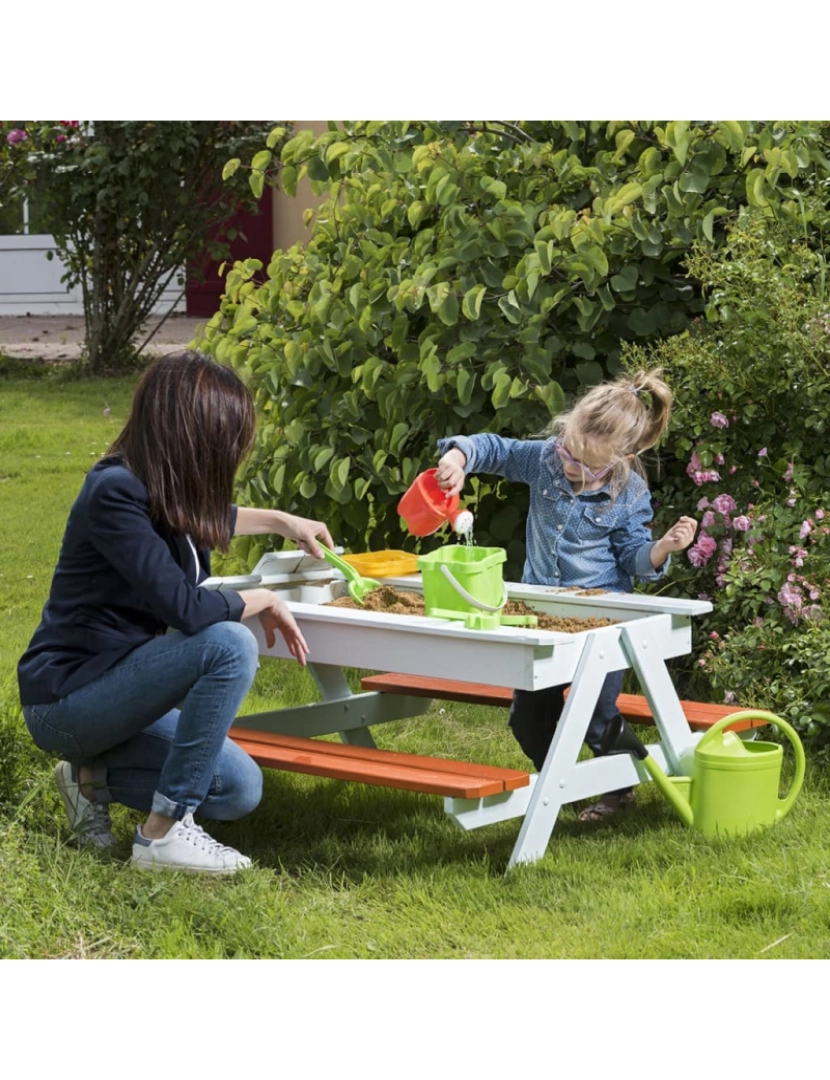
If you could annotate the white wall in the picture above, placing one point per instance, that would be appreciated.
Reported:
(31, 283)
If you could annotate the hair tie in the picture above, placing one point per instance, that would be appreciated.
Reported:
(635, 390)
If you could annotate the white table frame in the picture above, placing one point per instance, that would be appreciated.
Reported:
(650, 630)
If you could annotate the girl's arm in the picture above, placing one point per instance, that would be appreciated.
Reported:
(514, 459)
(677, 538)
(305, 531)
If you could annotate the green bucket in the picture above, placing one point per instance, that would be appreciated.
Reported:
(462, 582)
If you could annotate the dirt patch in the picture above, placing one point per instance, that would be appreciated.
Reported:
(398, 602)
(57, 339)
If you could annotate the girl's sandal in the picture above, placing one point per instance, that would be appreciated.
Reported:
(607, 805)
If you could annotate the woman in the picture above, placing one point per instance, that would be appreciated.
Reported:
(135, 674)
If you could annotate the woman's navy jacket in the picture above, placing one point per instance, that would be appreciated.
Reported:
(120, 581)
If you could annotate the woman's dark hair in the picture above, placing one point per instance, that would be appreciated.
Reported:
(191, 424)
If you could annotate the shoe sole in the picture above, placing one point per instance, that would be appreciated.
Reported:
(216, 871)
(60, 783)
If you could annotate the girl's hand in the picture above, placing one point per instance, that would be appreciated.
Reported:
(450, 472)
(278, 617)
(680, 535)
(677, 538)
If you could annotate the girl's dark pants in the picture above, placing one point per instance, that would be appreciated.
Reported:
(534, 715)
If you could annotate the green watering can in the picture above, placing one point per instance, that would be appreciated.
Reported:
(733, 788)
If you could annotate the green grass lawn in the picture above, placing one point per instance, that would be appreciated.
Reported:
(346, 870)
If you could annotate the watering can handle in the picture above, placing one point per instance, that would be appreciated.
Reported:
(459, 588)
(784, 805)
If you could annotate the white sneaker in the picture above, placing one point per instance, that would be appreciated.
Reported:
(186, 847)
(89, 821)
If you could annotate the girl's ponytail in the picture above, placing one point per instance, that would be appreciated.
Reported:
(656, 398)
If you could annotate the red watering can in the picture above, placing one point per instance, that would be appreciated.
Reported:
(425, 507)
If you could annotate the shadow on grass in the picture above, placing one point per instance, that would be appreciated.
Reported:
(307, 825)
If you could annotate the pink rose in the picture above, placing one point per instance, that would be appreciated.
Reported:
(742, 523)
(16, 135)
(724, 504)
(718, 420)
(706, 544)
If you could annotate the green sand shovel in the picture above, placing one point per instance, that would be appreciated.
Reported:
(359, 587)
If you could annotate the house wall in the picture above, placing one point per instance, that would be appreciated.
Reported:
(30, 283)
(288, 210)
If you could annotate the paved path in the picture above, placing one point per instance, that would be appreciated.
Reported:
(60, 337)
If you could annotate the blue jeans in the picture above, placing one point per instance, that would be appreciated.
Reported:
(534, 715)
(154, 728)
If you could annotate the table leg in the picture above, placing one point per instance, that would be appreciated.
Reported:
(641, 646)
(332, 684)
(600, 655)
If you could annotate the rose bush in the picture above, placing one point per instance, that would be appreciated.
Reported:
(748, 457)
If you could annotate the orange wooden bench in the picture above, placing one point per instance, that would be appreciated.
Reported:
(634, 707)
(368, 765)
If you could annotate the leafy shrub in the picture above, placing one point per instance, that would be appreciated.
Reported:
(749, 435)
(469, 277)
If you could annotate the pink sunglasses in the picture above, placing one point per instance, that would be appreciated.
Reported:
(566, 455)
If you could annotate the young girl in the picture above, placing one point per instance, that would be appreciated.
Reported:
(586, 526)
(141, 715)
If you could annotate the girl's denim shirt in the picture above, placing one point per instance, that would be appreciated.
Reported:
(574, 539)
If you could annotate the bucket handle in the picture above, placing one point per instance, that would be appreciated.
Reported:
(459, 588)
(784, 805)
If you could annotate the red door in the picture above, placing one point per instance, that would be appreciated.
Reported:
(202, 296)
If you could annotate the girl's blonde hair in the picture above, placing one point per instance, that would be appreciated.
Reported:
(624, 417)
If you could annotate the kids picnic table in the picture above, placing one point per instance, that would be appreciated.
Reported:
(646, 632)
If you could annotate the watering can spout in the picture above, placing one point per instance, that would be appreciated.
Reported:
(619, 738)
(677, 789)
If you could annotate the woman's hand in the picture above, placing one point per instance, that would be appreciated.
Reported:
(274, 614)
(306, 533)
(278, 617)
(450, 472)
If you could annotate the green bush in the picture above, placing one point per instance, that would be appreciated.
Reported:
(751, 462)
(468, 277)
